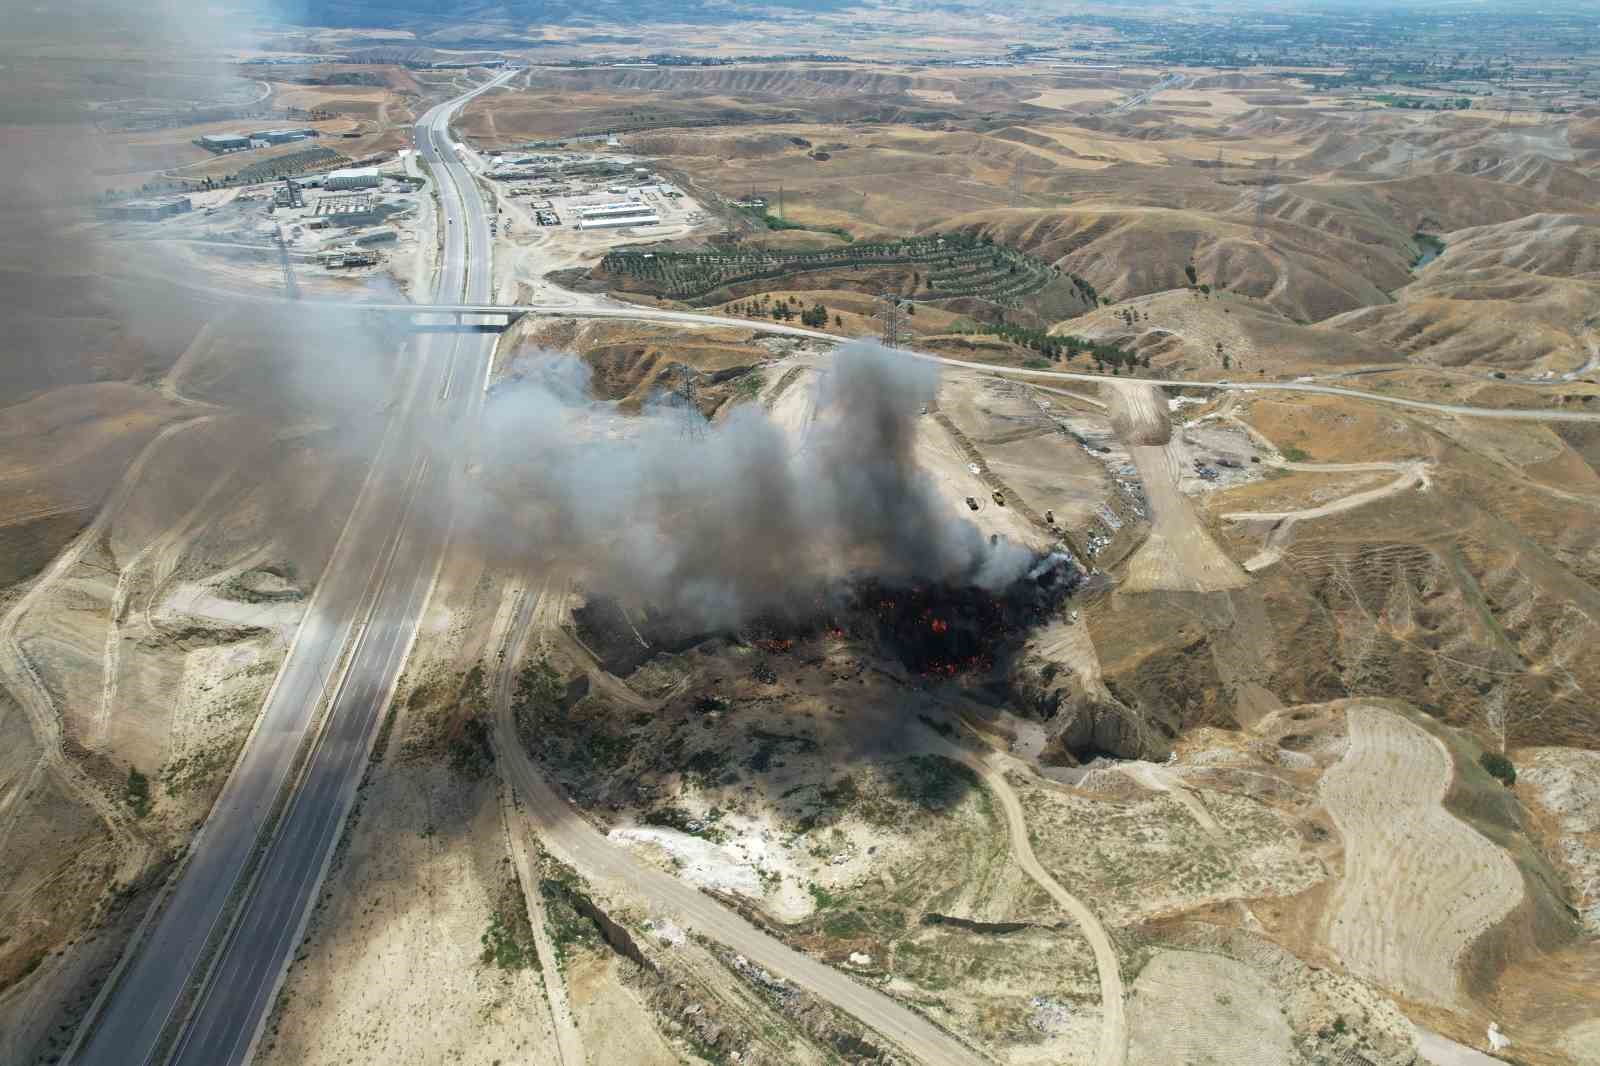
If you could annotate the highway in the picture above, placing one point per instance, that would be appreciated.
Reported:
(372, 593)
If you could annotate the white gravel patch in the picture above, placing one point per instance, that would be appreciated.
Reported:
(698, 861)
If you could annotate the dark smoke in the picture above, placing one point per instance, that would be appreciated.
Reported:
(727, 521)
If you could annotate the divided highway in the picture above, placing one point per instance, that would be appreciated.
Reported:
(372, 594)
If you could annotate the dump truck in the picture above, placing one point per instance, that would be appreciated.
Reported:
(999, 498)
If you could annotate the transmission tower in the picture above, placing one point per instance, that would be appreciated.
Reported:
(1263, 191)
(686, 398)
(289, 285)
(890, 315)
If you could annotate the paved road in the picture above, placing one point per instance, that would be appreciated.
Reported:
(373, 589)
(1144, 96)
(630, 312)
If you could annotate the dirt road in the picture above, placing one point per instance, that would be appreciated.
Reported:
(1278, 526)
(519, 831)
(1441, 1051)
(1178, 555)
(1112, 1049)
(18, 675)
(1419, 885)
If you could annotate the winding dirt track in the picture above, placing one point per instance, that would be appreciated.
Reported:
(1113, 1046)
(1280, 524)
(1419, 885)
(23, 683)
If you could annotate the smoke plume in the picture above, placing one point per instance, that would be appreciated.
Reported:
(723, 521)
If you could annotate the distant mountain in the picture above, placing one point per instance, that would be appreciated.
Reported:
(472, 19)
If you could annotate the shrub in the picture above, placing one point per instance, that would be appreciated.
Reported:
(138, 793)
(471, 754)
(508, 941)
(1498, 766)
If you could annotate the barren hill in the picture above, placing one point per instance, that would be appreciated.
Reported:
(1518, 296)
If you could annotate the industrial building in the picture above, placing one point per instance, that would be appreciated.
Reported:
(223, 142)
(149, 210)
(282, 136)
(288, 194)
(348, 208)
(353, 178)
(620, 213)
(349, 257)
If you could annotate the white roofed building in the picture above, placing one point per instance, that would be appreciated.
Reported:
(353, 178)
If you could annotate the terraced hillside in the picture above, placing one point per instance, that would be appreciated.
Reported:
(929, 268)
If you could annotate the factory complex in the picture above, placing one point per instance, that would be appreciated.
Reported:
(239, 142)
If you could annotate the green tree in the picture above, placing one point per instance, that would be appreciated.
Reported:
(1190, 273)
(1498, 766)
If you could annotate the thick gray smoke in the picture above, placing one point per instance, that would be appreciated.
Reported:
(723, 521)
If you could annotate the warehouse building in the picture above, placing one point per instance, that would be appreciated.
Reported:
(282, 136)
(353, 178)
(623, 213)
(148, 210)
(643, 219)
(224, 142)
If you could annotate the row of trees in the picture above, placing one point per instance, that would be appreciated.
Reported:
(786, 309)
(1058, 348)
